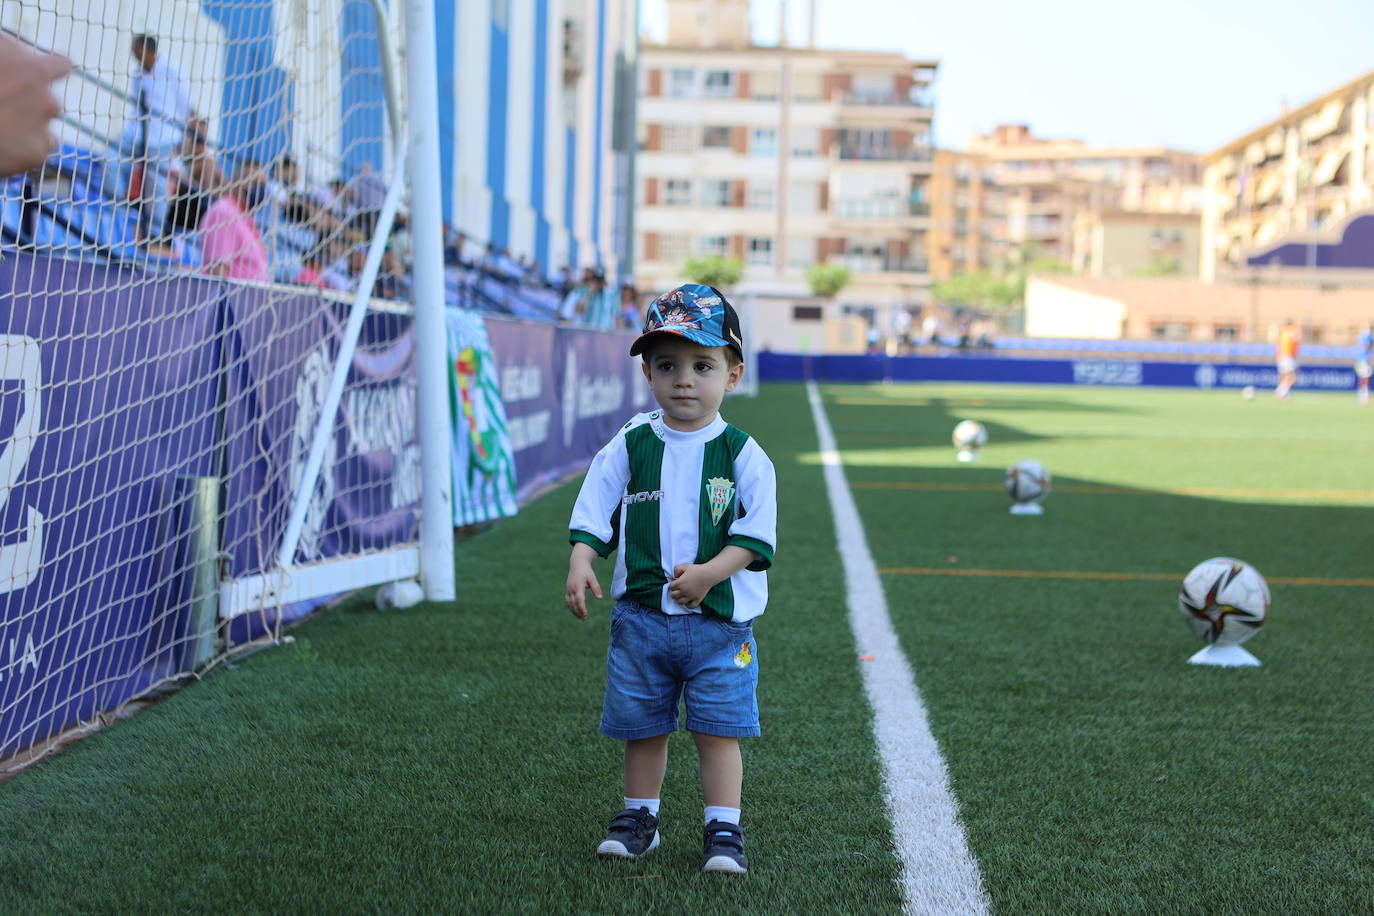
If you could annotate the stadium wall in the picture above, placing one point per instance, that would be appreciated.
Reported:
(794, 367)
(526, 147)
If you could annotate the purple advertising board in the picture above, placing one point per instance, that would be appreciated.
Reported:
(567, 391)
(115, 386)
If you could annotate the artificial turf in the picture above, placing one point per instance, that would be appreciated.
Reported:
(444, 758)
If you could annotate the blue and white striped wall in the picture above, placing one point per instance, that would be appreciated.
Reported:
(526, 161)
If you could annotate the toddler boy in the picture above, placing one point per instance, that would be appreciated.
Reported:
(688, 502)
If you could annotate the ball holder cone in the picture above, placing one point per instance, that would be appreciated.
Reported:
(1224, 657)
(1026, 509)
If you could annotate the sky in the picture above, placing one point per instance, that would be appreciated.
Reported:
(1187, 74)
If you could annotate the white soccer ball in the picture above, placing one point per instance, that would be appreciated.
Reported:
(406, 593)
(1027, 481)
(1248, 392)
(969, 435)
(1224, 600)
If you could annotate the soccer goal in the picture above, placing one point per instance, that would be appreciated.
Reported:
(220, 407)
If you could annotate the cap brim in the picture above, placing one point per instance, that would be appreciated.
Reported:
(696, 335)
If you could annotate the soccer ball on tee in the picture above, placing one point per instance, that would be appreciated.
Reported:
(1224, 601)
(969, 436)
(1027, 481)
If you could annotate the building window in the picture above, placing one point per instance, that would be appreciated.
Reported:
(674, 247)
(801, 251)
(806, 87)
(720, 84)
(802, 197)
(679, 138)
(1169, 330)
(1226, 332)
(713, 244)
(806, 313)
(763, 85)
(715, 192)
(806, 141)
(760, 196)
(677, 192)
(763, 142)
(682, 83)
(760, 251)
(715, 137)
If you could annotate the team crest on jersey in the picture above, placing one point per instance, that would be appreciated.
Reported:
(744, 656)
(719, 490)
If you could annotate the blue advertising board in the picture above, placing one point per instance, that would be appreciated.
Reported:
(1109, 372)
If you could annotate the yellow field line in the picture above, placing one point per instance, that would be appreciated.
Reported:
(1110, 576)
(1244, 492)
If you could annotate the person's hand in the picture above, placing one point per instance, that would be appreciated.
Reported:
(690, 584)
(27, 104)
(580, 578)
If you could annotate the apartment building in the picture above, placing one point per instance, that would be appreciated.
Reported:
(1305, 172)
(1046, 187)
(966, 214)
(783, 157)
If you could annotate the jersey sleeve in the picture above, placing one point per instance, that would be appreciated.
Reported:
(596, 513)
(755, 527)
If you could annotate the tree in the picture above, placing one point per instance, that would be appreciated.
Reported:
(714, 270)
(979, 289)
(1161, 267)
(826, 280)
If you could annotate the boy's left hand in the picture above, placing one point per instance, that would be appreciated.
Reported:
(692, 582)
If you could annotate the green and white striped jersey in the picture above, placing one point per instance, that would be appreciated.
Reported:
(660, 497)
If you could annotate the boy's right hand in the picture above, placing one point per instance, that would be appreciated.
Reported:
(581, 578)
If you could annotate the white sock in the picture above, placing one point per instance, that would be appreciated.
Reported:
(723, 814)
(650, 803)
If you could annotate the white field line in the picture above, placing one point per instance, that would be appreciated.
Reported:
(939, 875)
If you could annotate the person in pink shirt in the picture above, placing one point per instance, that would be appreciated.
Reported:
(230, 244)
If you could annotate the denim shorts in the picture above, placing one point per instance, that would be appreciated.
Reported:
(657, 659)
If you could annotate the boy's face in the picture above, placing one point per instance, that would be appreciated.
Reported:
(689, 381)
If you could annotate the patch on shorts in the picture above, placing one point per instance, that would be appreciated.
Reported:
(743, 657)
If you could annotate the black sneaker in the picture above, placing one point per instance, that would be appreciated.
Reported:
(633, 833)
(724, 849)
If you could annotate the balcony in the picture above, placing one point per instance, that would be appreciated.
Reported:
(853, 152)
(880, 97)
(872, 264)
(878, 208)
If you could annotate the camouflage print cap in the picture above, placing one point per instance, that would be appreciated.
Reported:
(698, 313)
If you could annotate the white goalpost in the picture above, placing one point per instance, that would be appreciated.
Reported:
(223, 371)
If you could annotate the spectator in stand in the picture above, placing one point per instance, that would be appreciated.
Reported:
(629, 309)
(574, 300)
(454, 245)
(601, 307)
(312, 269)
(27, 104)
(341, 274)
(567, 279)
(153, 136)
(197, 180)
(230, 243)
(367, 193)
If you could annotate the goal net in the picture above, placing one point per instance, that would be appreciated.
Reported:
(207, 366)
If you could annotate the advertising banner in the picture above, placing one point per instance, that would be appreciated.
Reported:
(482, 460)
(116, 387)
(566, 392)
(1109, 372)
(98, 417)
